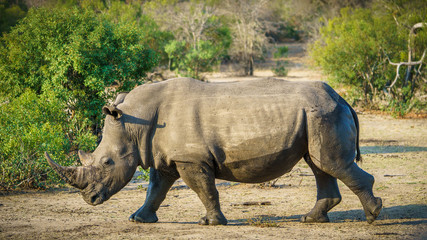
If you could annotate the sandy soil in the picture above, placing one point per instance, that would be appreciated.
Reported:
(394, 151)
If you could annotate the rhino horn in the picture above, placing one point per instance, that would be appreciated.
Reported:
(75, 176)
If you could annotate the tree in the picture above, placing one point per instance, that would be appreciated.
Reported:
(248, 31)
(201, 39)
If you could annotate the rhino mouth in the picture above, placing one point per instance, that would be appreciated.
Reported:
(95, 199)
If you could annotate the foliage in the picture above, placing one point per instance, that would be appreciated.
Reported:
(191, 61)
(201, 38)
(10, 13)
(30, 126)
(132, 13)
(59, 67)
(354, 47)
(85, 55)
(145, 174)
(283, 32)
(280, 69)
(281, 52)
(307, 16)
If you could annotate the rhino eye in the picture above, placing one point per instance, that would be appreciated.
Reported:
(108, 162)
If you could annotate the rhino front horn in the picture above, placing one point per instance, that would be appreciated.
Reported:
(75, 176)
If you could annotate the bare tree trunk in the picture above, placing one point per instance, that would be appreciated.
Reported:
(251, 66)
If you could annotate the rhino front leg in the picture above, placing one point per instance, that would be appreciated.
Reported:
(157, 189)
(201, 179)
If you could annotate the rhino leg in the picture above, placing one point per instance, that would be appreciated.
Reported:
(201, 179)
(328, 195)
(157, 189)
(361, 183)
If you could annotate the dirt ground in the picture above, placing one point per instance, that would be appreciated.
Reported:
(394, 151)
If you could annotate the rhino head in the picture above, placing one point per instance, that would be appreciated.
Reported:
(109, 168)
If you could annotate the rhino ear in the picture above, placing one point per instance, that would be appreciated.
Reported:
(120, 98)
(113, 111)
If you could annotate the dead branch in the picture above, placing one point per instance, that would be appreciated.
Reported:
(409, 63)
(406, 64)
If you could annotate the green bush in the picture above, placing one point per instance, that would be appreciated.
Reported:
(351, 47)
(73, 55)
(190, 61)
(354, 48)
(31, 125)
(58, 68)
(280, 69)
(281, 52)
(192, 57)
(10, 13)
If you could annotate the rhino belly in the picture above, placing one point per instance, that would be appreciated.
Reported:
(260, 168)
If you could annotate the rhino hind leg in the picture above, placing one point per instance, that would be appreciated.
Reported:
(328, 195)
(361, 183)
(201, 179)
(157, 189)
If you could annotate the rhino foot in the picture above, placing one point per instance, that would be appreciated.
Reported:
(314, 219)
(144, 217)
(374, 211)
(319, 213)
(215, 220)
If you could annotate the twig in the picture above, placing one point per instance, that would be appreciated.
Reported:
(252, 203)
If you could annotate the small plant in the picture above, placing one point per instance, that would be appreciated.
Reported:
(145, 174)
(280, 69)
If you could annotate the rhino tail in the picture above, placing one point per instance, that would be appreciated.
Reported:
(356, 122)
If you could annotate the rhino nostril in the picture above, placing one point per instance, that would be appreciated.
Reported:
(93, 198)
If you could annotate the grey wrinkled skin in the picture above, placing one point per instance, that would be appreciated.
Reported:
(250, 132)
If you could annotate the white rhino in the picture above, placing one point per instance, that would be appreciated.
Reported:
(249, 132)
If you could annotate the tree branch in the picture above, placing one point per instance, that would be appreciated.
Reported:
(406, 64)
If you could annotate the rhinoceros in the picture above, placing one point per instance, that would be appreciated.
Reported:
(249, 132)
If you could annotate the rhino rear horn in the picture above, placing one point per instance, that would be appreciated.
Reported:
(75, 176)
(85, 158)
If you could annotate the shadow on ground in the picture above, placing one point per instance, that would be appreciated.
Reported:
(414, 214)
(391, 149)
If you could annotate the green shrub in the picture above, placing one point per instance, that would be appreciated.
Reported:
(281, 52)
(354, 48)
(190, 61)
(58, 68)
(280, 69)
(191, 57)
(73, 55)
(350, 49)
(31, 125)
